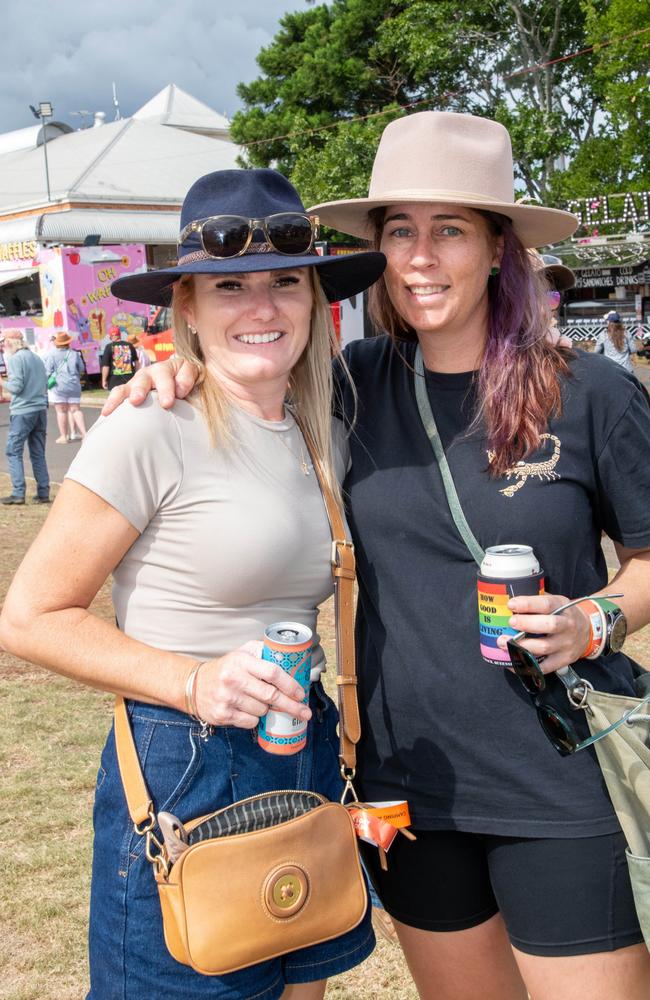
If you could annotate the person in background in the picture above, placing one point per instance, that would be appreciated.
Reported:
(560, 278)
(143, 357)
(3, 371)
(64, 369)
(27, 384)
(616, 343)
(119, 360)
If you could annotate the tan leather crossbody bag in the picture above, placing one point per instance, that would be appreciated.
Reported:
(272, 873)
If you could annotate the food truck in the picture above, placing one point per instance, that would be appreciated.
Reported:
(46, 290)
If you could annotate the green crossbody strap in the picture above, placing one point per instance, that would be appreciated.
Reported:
(429, 424)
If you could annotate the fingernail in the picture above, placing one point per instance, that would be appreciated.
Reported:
(512, 605)
(137, 396)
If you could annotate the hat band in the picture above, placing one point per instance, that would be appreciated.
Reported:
(198, 255)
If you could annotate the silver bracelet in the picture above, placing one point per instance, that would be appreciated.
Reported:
(190, 695)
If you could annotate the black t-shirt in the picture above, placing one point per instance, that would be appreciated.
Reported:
(120, 358)
(456, 736)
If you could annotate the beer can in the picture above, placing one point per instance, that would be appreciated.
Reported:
(288, 644)
(506, 571)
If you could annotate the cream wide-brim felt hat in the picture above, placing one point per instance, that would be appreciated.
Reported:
(441, 156)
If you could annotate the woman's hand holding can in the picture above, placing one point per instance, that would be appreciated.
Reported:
(556, 640)
(240, 687)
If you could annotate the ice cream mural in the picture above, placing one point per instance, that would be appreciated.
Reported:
(90, 308)
(75, 292)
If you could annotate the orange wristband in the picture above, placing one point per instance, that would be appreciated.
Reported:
(596, 641)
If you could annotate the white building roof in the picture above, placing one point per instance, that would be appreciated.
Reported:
(174, 107)
(122, 171)
(27, 138)
(126, 161)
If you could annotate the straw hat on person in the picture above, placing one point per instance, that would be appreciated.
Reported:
(253, 197)
(441, 156)
(62, 340)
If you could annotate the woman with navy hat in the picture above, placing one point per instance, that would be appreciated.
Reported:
(225, 481)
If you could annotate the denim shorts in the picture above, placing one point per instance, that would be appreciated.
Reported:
(190, 776)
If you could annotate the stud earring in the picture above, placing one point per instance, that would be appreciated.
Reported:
(192, 330)
(494, 271)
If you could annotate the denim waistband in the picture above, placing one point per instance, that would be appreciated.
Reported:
(161, 713)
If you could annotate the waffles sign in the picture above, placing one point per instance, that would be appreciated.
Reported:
(629, 209)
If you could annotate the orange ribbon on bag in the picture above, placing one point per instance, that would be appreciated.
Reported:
(378, 823)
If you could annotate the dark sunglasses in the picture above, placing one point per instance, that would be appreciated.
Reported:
(559, 730)
(554, 297)
(289, 233)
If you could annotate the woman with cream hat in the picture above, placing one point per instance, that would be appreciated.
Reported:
(517, 883)
(514, 841)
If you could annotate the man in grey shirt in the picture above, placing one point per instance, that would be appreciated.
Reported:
(27, 384)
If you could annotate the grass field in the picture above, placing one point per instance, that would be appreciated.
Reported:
(51, 733)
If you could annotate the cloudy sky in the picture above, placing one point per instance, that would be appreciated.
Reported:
(69, 52)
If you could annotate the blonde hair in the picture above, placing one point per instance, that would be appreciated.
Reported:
(311, 386)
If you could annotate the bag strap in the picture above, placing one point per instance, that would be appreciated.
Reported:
(138, 799)
(62, 364)
(344, 573)
(429, 424)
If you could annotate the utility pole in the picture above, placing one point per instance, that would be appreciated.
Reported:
(45, 110)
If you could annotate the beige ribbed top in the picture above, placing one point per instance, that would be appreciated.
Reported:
(231, 539)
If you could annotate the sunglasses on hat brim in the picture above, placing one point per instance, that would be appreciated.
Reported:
(223, 236)
(559, 730)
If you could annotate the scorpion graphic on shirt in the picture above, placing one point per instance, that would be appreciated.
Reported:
(523, 470)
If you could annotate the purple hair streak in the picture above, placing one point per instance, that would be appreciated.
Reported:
(519, 388)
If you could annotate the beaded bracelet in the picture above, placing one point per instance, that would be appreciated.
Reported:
(597, 630)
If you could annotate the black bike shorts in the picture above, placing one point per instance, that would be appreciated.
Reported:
(557, 897)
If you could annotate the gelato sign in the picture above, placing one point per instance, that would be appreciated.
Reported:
(597, 277)
(626, 210)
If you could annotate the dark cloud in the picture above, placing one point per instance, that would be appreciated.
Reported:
(70, 52)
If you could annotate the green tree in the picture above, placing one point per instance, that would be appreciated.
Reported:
(330, 67)
(622, 70)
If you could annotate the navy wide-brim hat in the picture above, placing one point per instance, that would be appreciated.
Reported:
(253, 194)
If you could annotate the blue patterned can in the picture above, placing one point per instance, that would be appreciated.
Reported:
(289, 645)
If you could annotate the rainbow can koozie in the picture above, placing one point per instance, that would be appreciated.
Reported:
(506, 571)
(289, 645)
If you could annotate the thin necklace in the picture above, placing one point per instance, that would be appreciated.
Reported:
(304, 467)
